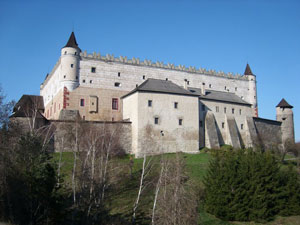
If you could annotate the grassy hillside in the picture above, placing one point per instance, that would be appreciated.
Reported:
(121, 199)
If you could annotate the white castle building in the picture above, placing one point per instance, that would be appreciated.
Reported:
(181, 108)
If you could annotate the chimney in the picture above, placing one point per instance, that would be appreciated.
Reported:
(185, 84)
(203, 91)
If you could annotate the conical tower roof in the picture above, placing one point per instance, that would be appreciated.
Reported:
(248, 70)
(72, 42)
(283, 104)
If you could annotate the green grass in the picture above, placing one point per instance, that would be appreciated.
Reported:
(122, 198)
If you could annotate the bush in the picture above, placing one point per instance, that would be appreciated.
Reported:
(245, 185)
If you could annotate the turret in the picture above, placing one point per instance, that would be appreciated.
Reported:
(252, 90)
(284, 114)
(70, 59)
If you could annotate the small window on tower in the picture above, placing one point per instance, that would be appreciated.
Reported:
(180, 122)
(235, 88)
(75, 53)
(232, 110)
(83, 81)
(115, 104)
(119, 74)
(167, 79)
(144, 77)
(225, 109)
(242, 126)
(240, 112)
(223, 125)
(72, 65)
(93, 69)
(65, 52)
(64, 76)
(225, 88)
(82, 102)
(209, 85)
(91, 81)
(149, 103)
(156, 120)
(76, 77)
(117, 84)
(175, 105)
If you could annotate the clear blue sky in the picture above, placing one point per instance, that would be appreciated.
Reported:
(213, 34)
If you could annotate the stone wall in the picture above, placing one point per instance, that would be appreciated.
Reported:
(268, 132)
(119, 133)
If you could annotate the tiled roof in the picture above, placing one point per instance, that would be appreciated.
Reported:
(72, 42)
(219, 96)
(248, 70)
(283, 104)
(161, 86)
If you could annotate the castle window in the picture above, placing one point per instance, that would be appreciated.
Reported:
(223, 125)
(209, 85)
(72, 65)
(156, 120)
(242, 126)
(201, 123)
(64, 76)
(283, 118)
(167, 79)
(76, 77)
(83, 81)
(93, 69)
(119, 74)
(188, 82)
(75, 53)
(225, 88)
(82, 102)
(217, 108)
(180, 122)
(235, 88)
(65, 52)
(203, 107)
(225, 109)
(117, 84)
(149, 103)
(240, 112)
(115, 104)
(144, 77)
(232, 110)
(91, 81)
(175, 105)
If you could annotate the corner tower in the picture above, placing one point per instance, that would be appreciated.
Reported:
(252, 89)
(284, 114)
(70, 60)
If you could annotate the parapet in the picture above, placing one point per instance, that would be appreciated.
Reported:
(159, 64)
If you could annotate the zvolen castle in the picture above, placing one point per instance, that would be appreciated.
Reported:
(181, 108)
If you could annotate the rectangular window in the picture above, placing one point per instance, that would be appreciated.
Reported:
(175, 105)
(149, 103)
(225, 109)
(93, 69)
(180, 122)
(91, 81)
(242, 126)
(119, 74)
(72, 65)
(117, 84)
(82, 102)
(217, 108)
(144, 77)
(240, 112)
(83, 81)
(225, 88)
(209, 85)
(115, 103)
(232, 110)
(223, 125)
(156, 120)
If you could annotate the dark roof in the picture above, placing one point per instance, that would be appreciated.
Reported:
(248, 70)
(283, 104)
(27, 105)
(160, 86)
(219, 96)
(72, 42)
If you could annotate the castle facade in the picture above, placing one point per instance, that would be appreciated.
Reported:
(180, 108)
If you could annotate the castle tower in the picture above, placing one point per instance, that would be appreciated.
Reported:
(70, 59)
(284, 114)
(252, 90)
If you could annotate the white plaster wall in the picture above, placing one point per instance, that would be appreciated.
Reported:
(131, 75)
(149, 135)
